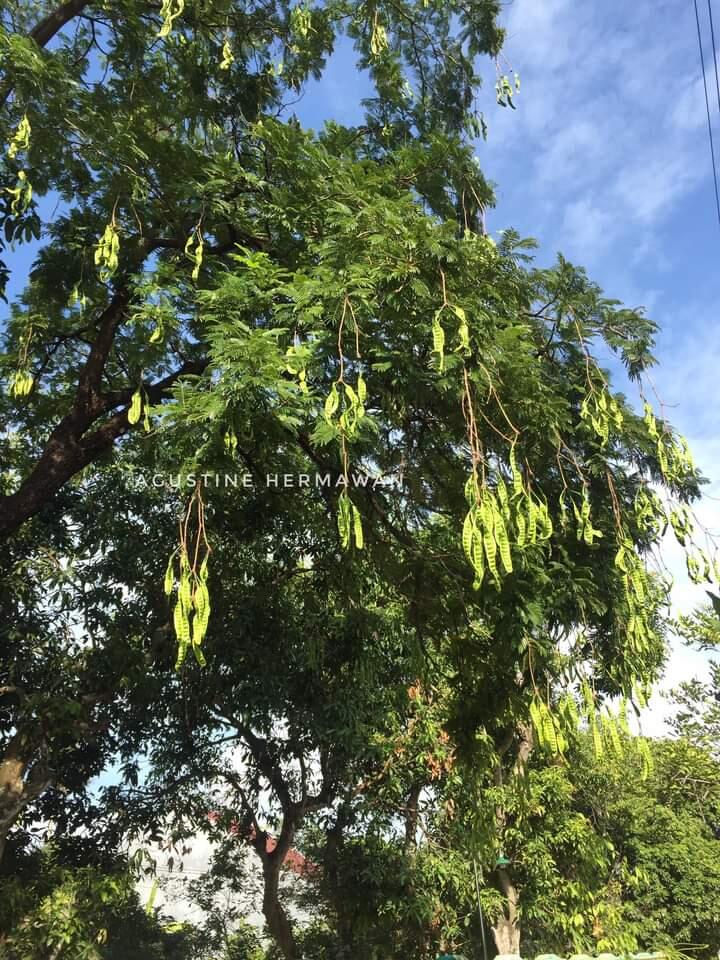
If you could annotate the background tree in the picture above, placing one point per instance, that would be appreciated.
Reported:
(698, 704)
(73, 900)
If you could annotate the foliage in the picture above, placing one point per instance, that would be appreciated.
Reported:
(220, 291)
(698, 714)
(54, 908)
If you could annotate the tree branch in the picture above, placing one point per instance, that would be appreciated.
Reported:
(70, 448)
(43, 32)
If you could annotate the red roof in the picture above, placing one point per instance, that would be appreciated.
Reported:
(293, 859)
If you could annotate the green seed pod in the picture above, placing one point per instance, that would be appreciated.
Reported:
(357, 528)
(332, 402)
(438, 335)
(135, 408)
(169, 582)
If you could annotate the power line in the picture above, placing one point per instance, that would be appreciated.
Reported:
(712, 38)
(714, 50)
(707, 107)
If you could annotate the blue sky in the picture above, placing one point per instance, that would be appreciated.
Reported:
(606, 159)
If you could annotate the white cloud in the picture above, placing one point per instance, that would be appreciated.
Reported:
(533, 30)
(586, 228)
(608, 119)
(688, 112)
(650, 187)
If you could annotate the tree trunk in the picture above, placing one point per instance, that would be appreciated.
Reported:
(507, 938)
(275, 916)
(21, 782)
(411, 818)
(507, 929)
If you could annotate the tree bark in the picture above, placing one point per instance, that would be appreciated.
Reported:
(72, 445)
(277, 920)
(411, 817)
(506, 930)
(21, 781)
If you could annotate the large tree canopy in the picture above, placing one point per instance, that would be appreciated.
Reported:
(220, 292)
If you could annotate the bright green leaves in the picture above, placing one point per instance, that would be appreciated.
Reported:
(107, 252)
(21, 138)
(170, 11)
(349, 522)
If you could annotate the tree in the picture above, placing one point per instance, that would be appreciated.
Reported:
(165, 166)
(325, 307)
(600, 858)
(79, 672)
(698, 703)
(58, 905)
